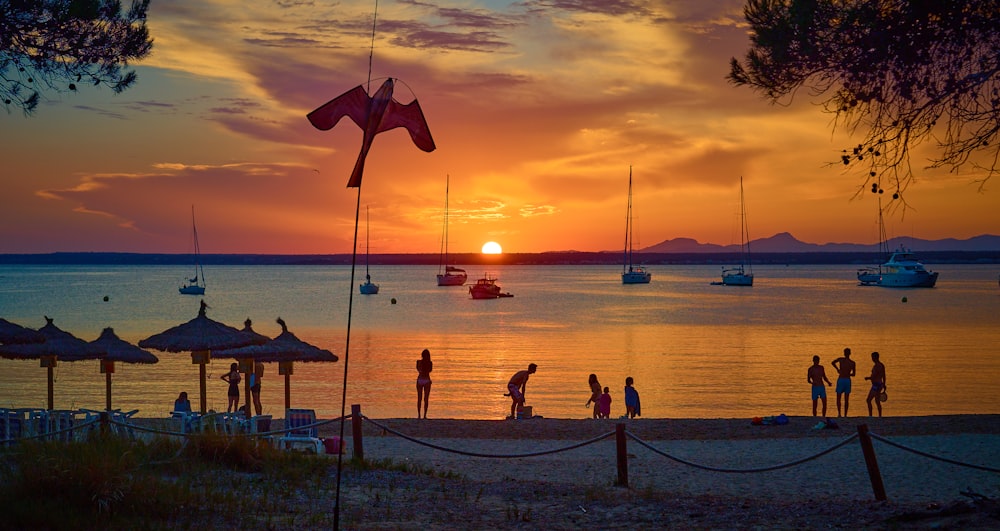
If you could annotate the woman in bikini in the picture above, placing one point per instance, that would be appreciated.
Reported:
(233, 379)
(424, 368)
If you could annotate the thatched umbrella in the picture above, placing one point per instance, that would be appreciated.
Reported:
(198, 336)
(112, 349)
(15, 334)
(284, 349)
(59, 345)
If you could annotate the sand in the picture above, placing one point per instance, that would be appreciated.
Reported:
(577, 488)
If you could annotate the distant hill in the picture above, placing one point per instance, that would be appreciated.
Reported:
(786, 243)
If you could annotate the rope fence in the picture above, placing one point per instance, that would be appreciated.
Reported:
(122, 425)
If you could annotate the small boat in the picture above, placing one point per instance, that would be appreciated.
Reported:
(487, 288)
(196, 284)
(368, 287)
(901, 270)
(741, 275)
(452, 276)
(632, 274)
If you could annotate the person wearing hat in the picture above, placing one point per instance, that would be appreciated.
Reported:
(878, 385)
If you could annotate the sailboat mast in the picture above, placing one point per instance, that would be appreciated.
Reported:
(627, 262)
(367, 242)
(199, 271)
(444, 233)
(746, 231)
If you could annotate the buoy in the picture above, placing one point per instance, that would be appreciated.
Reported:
(393, 300)
(904, 299)
(105, 298)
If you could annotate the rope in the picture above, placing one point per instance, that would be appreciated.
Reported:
(742, 470)
(495, 456)
(930, 456)
(48, 434)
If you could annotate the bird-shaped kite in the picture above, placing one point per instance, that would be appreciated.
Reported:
(373, 114)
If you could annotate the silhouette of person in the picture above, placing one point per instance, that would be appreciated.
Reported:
(845, 367)
(604, 404)
(516, 387)
(424, 368)
(233, 379)
(878, 384)
(816, 375)
(595, 394)
(632, 408)
(255, 378)
(182, 404)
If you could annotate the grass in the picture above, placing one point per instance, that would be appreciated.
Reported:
(213, 481)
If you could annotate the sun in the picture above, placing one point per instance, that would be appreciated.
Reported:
(492, 248)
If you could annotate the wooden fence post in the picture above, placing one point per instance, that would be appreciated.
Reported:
(622, 453)
(359, 448)
(873, 472)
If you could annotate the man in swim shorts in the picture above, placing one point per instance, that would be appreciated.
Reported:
(816, 375)
(845, 367)
(878, 384)
(516, 386)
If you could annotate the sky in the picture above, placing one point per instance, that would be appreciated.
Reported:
(539, 109)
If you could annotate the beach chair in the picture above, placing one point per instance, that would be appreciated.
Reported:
(297, 422)
(10, 425)
(34, 422)
(187, 421)
(121, 423)
(61, 423)
(260, 424)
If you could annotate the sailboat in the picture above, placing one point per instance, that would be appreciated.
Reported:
(368, 287)
(452, 276)
(901, 270)
(741, 275)
(632, 274)
(196, 284)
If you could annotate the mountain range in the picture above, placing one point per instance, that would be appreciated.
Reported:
(786, 243)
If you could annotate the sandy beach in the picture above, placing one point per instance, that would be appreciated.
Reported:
(437, 489)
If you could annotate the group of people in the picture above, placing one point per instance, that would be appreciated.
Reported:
(601, 398)
(846, 369)
(232, 377)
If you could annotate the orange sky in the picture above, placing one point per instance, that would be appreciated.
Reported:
(538, 108)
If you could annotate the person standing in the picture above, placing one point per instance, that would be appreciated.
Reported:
(878, 384)
(516, 388)
(845, 367)
(255, 377)
(595, 394)
(816, 375)
(604, 404)
(424, 368)
(233, 379)
(631, 399)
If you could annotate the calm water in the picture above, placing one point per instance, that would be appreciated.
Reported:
(695, 350)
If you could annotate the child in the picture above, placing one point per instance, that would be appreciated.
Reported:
(631, 400)
(604, 405)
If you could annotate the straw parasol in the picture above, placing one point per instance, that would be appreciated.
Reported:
(15, 334)
(284, 349)
(112, 349)
(199, 336)
(59, 345)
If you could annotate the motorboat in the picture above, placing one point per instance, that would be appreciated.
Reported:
(902, 270)
(487, 288)
(631, 273)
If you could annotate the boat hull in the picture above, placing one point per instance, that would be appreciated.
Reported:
(737, 279)
(452, 279)
(191, 290)
(368, 288)
(923, 279)
(636, 277)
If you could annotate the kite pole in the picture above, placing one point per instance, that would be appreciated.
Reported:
(350, 300)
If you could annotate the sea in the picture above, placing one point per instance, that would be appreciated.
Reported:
(695, 350)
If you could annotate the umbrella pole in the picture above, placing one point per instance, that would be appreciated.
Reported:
(107, 390)
(288, 391)
(201, 371)
(51, 378)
